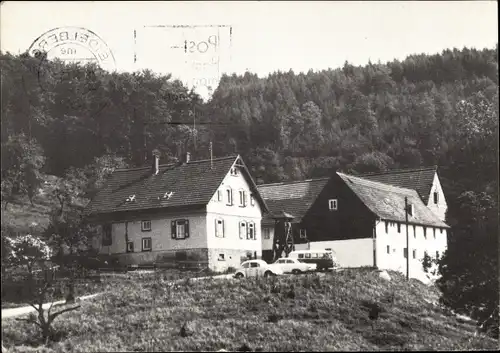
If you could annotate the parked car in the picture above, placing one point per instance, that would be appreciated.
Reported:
(254, 268)
(323, 259)
(291, 265)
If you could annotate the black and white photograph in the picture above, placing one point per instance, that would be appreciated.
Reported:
(249, 176)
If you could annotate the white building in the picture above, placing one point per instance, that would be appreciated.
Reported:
(206, 212)
(362, 218)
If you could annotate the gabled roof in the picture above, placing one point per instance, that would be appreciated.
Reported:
(418, 179)
(190, 184)
(295, 197)
(388, 202)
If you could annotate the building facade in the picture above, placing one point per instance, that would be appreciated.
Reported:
(205, 212)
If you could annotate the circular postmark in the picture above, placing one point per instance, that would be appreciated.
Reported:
(71, 45)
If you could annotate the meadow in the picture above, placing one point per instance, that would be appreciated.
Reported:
(313, 312)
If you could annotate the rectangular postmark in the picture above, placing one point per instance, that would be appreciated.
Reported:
(195, 54)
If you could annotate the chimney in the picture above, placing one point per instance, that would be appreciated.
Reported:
(156, 162)
(188, 157)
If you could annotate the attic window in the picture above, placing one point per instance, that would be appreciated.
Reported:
(131, 198)
(436, 197)
(234, 171)
(332, 204)
(168, 194)
(252, 200)
(410, 209)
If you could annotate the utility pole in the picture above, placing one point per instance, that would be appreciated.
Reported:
(407, 241)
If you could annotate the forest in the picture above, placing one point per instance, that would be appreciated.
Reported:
(79, 123)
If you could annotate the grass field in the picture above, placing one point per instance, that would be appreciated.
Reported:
(316, 312)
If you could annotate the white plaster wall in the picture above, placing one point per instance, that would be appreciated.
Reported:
(160, 234)
(441, 207)
(232, 216)
(349, 253)
(397, 243)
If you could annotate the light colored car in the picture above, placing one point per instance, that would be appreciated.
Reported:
(257, 268)
(290, 265)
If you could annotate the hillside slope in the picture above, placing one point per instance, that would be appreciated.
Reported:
(320, 313)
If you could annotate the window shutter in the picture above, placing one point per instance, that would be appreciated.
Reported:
(173, 230)
(216, 228)
(186, 227)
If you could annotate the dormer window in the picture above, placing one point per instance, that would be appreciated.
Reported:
(436, 197)
(131, 198)
(234, 171)
(410, 209)
(332, 204)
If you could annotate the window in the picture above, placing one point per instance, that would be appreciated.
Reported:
(328, 249)
(436, 197)
(146, 226)
(254, 264)
(180, 229)
(219, 195)
(405, 252)
(243, 198)
(434, 232)
(410, 209)
(308, 256)
(266, 233)
(386, 227)
(303, 234)
(301, 256)
(437, 254)
(247, 265)
(251, 231)
(221, 257)
(243, 229)
(130, 246)
(314, 255)
(332, 204)
(234, 171)
(106, 235)
(399, 227)
(441, 230)
(414, 253)
(146, 244)
(425, 232)
(414, 231)
(252, 200)
(229, 194)
(219, 228)
(388, 249)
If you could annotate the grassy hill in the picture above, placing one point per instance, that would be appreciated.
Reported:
(317, 312)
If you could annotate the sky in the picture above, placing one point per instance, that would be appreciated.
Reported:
(200, 40)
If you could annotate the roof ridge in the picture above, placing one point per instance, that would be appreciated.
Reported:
(173, 164)
(292, 182)
(378, 184)
(407, 170)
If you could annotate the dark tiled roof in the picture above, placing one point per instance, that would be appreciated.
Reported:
(191, 184)
(387, 201)
(294, 197)
(418, 179)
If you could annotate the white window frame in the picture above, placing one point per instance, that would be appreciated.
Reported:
(234, 171)
(220, 197)
(217, 233)
(144, 248)
(229, 194)
(243, 234)
(333, 204)
(303, 233)
(266, 233)
(146, 226)
(251, 231)
(252, 200)
(243, 197)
